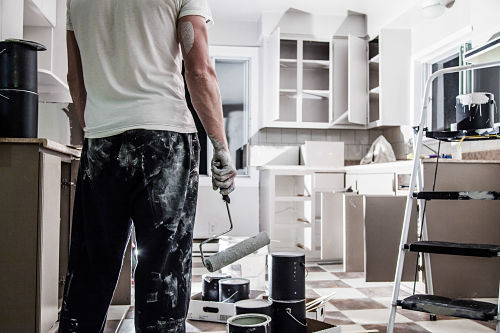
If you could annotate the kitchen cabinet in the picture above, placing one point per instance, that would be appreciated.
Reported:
(389, 78)
(52, 64)
(350, 94)
(291, 210)
(41, 13)
(37, 187)
(379, 179)
(314, 83)
(297, 82)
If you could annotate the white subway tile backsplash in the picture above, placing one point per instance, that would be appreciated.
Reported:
(303, 135)
(318, 135)
(333, 135)
(361, 137)
(348, 137)
(274, 135)
(373, 134)
(353, 152)
(289, 136)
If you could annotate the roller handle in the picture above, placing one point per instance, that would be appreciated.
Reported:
(225, 197)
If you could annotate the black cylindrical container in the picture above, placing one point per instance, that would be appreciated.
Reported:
(289, 316)
(287, 276)
(234, 290)
(475, 111)
(18, 114)
(262, 306)
(210, 286)
(249, 323)
(19, 65)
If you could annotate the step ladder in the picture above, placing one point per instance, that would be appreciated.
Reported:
(430, 303)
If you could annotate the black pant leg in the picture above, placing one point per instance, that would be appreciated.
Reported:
(163, 214)
(100, 232)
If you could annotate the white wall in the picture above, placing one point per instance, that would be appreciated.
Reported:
(53, 123)
(234, 33)
(11, 23)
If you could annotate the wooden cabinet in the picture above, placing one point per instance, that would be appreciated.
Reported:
(389, 78)
(35, 206)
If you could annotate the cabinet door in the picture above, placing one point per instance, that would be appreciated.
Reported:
(270, 78)
(339, 79)
(48, 244)
(357, 75)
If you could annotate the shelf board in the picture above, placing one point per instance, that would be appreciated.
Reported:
(486, 53)
(375, 59)
(51, 88)
(288, 63)
(288, 92)
(375, 90)
(316, 93)
(292, 198)
(314, 64)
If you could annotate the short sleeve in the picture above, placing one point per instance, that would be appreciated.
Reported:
(69, 25)
(196, 7)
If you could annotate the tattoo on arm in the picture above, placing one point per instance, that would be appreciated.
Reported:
(187, 36)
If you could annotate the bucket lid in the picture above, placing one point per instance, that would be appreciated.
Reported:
(253, 303)
(28, 43)
(249, 320)
(235, 281)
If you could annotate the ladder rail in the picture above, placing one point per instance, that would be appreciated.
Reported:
(413, 180)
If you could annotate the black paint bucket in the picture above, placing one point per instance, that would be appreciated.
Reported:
(234, 290)
(261, 306)
(18, 114)
(249, 323)
(19, 65)
(287, 276)
(289, 316)
(210, 286)
(475, 111)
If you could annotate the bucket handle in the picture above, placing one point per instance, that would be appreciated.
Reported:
(289, 311)
(4, 96)
(2, 51)
(305, 267)
(227, 299)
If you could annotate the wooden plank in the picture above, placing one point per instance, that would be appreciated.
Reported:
(18, 239)
(48, 241)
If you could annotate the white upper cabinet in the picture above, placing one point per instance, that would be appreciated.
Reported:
(40, 13)
(389, 78)
(357, 80)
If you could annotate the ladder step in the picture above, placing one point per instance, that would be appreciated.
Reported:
(445, 306)
(459, 249)
(462, 195)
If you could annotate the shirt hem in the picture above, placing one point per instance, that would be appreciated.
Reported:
(115, 131)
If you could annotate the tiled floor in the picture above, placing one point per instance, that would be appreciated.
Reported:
(357, 306)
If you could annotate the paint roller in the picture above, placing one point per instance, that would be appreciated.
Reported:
(235, 252)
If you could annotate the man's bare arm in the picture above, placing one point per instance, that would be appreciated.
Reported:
(205, 96)
(75, 77)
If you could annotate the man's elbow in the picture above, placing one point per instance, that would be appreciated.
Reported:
(201, 72)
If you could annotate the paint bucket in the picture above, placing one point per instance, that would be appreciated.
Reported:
(210, 286)
(287, 275)
(234, 290)
(289, 316)
(18, 114)
(249, 323)
(475, 111)
(262, 306)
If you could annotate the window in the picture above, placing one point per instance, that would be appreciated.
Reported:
(233, 77)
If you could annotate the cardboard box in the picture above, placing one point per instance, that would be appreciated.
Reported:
(217, 312)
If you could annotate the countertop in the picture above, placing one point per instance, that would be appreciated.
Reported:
(46, 143)
(398, 166)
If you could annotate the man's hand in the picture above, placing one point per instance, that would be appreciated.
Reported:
(223, 171)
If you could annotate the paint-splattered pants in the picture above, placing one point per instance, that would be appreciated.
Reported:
(145, 177)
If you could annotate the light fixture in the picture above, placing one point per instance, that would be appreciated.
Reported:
(435, 8)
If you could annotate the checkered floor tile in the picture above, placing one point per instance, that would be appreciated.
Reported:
(357, 306)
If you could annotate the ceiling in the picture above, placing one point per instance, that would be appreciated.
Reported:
(251, 10)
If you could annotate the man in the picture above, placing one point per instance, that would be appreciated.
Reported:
(140, 157)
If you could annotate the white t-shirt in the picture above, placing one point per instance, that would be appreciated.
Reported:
(131, 63)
